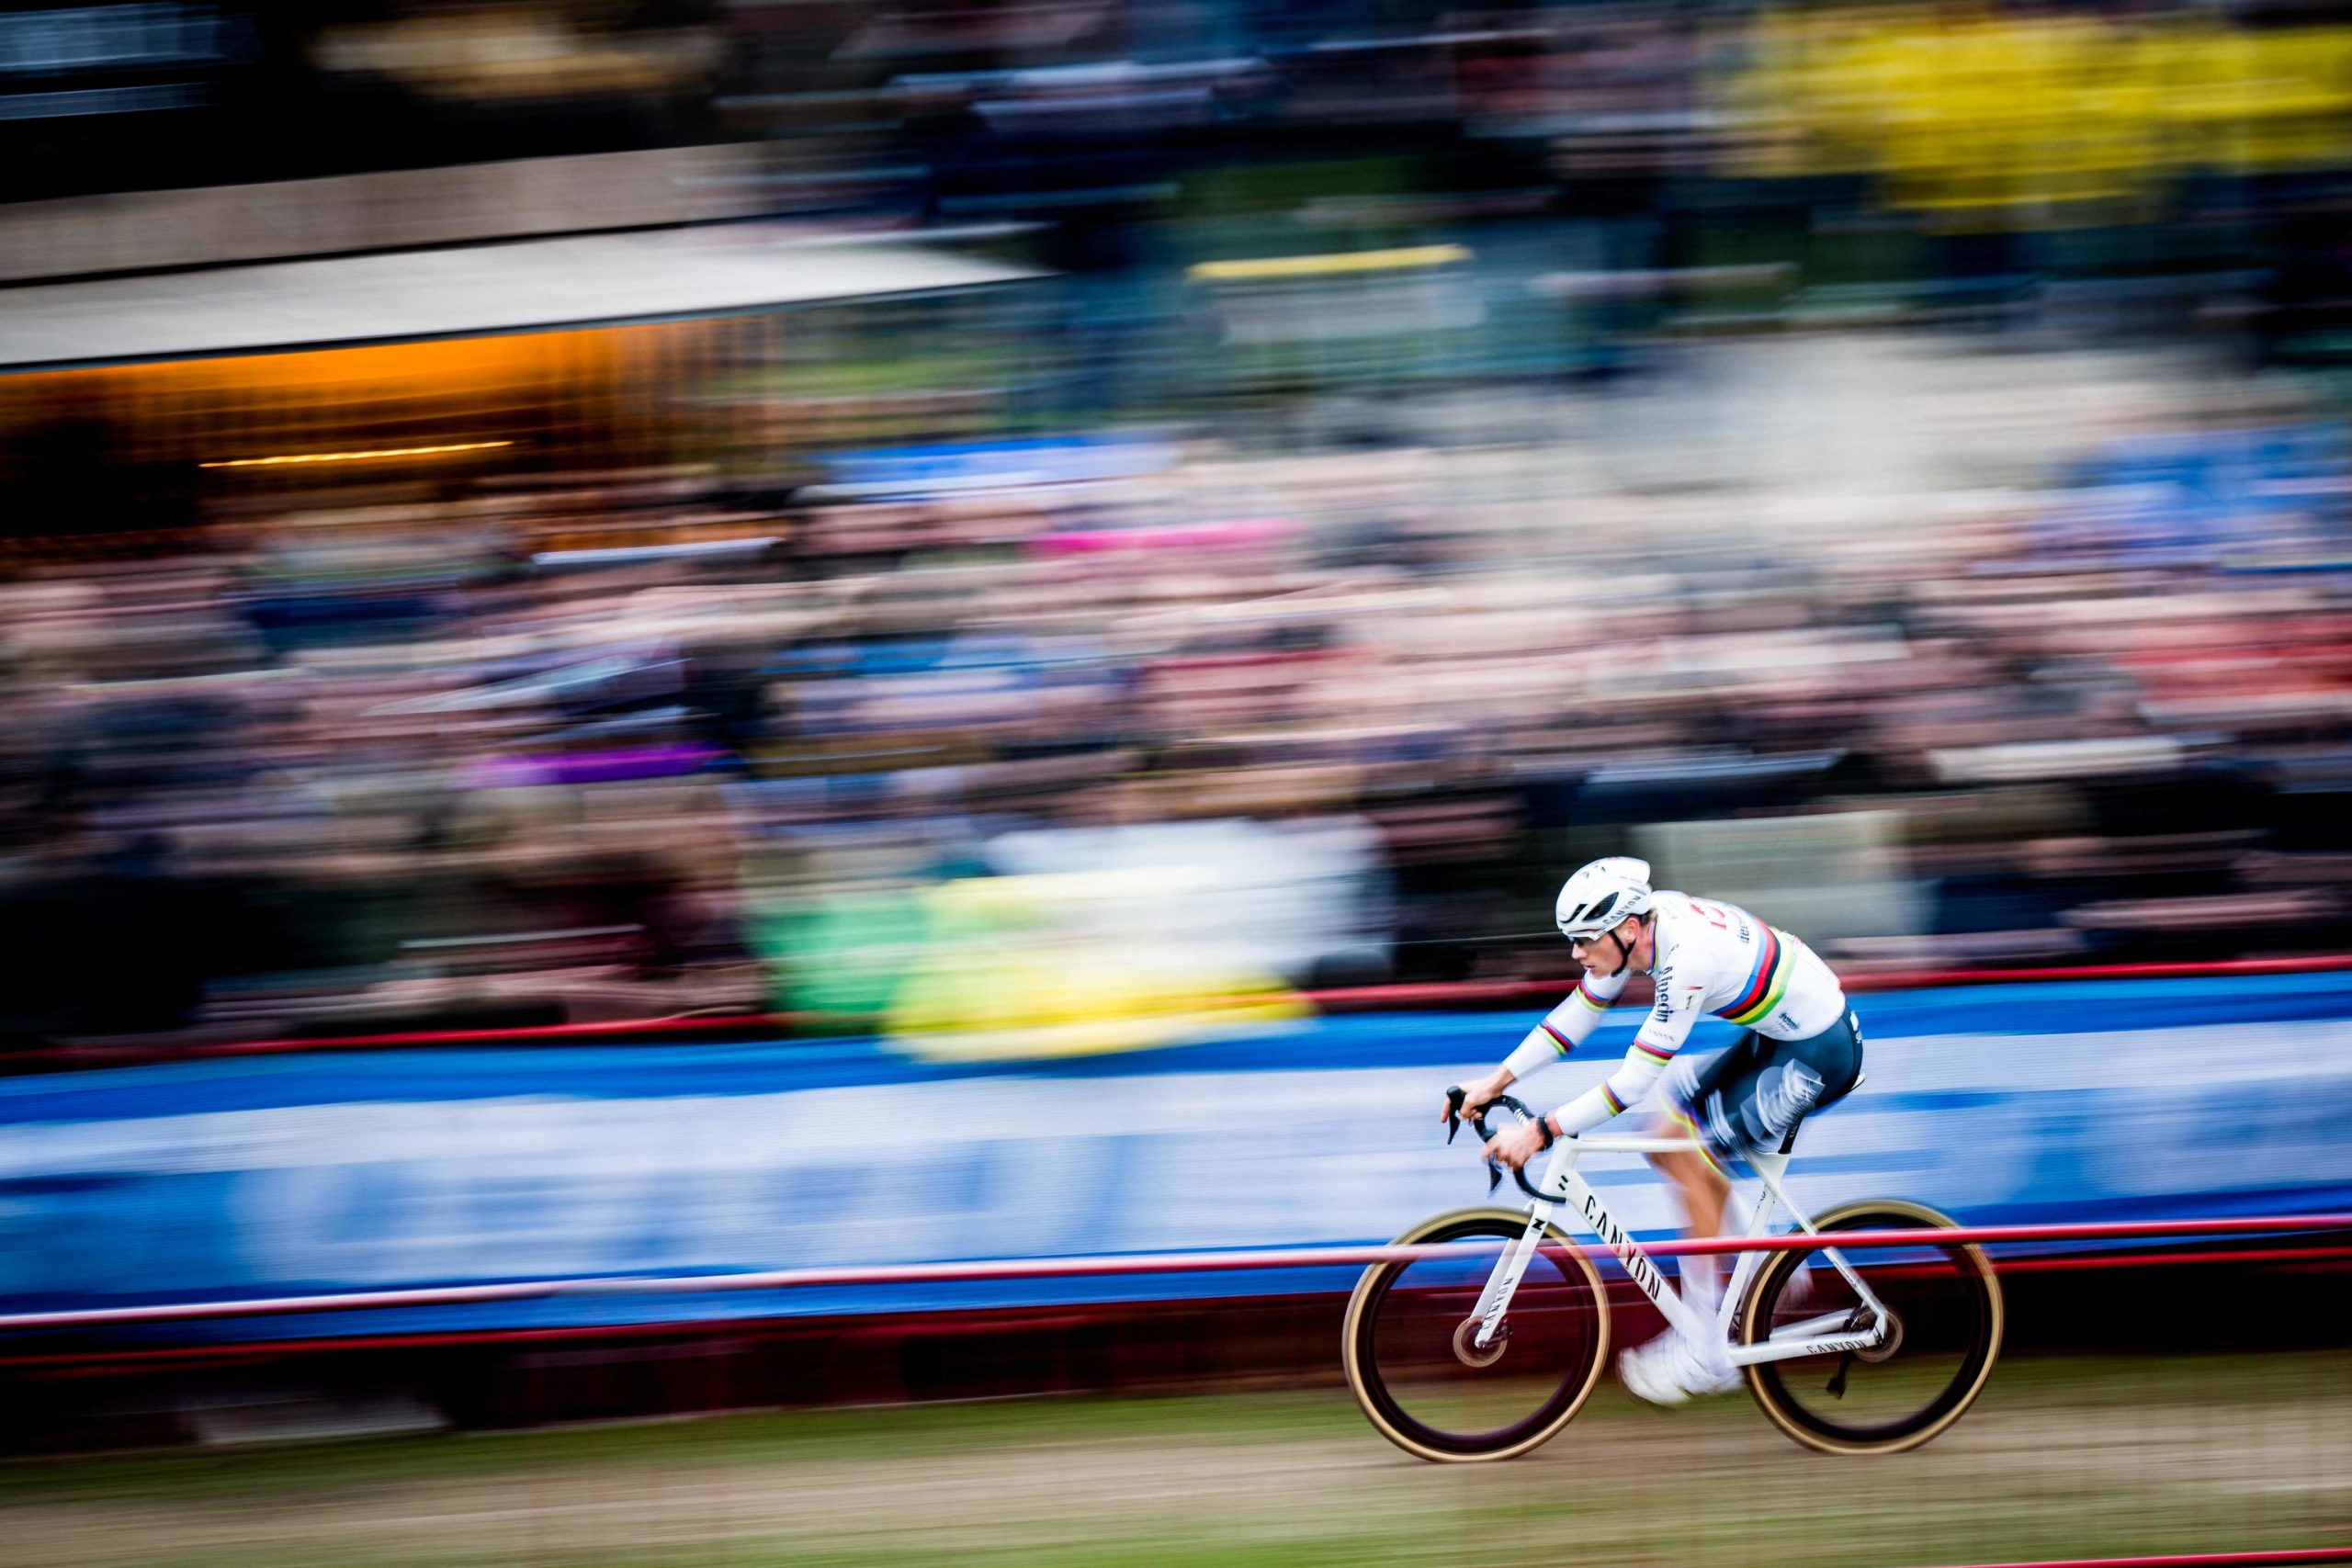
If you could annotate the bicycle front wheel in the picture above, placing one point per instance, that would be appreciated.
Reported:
(1410, 1343)
(1946, 1330)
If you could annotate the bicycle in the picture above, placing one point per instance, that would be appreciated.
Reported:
(1444, 1349)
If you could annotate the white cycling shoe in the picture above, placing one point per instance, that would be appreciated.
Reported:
(1670, 1371)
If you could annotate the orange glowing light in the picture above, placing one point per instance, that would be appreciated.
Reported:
(354, 456)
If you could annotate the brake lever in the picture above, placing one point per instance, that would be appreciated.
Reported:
(1454, 1099)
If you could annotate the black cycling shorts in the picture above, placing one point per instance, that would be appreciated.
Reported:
(1755, 1093)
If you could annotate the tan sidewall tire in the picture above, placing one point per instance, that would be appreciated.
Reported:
(1751, 1316)
(1516, 1220)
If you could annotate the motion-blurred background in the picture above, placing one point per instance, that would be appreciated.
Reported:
(684, 637)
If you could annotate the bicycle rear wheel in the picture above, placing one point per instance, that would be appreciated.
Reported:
(1948, 1319)
(1409, 1343)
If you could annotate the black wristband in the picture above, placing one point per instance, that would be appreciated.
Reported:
(1543, 1126)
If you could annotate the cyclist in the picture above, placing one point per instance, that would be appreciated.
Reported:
(1802, 1052)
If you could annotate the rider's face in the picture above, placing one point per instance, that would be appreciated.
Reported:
(1602, 956)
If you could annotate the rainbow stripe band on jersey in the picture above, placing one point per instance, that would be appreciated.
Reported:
(1560, 1041)
(1584, 994)
(1766, 985)
(1654, 1053)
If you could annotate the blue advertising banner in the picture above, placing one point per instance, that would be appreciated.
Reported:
(268, 1177)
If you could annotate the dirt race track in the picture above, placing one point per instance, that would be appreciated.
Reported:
(2077, 1458)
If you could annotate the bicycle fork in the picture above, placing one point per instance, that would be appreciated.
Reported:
(1503, 1283)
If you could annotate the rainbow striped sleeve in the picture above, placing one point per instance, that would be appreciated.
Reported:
(1645, 1060)
(1566, 1026)
(1767, 984)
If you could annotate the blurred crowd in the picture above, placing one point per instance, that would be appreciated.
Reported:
(1452, 445)
(992, 739)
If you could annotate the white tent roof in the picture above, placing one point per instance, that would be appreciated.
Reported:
(588, 280)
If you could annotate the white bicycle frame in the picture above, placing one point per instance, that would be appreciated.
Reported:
(1825, 1335)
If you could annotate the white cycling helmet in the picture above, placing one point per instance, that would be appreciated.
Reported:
(1600, 896)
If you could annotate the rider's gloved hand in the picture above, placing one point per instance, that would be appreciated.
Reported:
(1518, 1144)
(1476, 1097)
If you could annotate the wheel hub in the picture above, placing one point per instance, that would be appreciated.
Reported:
(1885, 1348)
(1466, 1344)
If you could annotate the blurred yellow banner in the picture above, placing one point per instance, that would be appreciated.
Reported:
(1053, 965)
(2034, 117)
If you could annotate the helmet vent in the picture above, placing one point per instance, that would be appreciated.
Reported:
(1601, 906)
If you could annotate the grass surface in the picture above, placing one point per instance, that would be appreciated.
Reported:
(2074, 1458)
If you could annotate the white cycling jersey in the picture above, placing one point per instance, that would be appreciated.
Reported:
(1707, 958)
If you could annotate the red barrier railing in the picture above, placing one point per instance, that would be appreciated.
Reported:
(1116, 1265)
(2193, 1560)
(1622, 1294)
(1362, 999)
